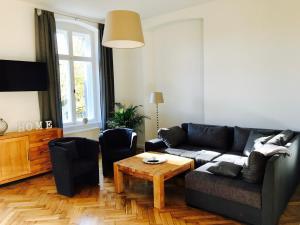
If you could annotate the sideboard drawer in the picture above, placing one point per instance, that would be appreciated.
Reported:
(41, 164)
(39, 152)
(43, 137)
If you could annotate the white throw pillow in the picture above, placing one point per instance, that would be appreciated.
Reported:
(270, 149)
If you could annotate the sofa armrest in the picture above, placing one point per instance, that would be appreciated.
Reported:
(155, 145)
(280, 181)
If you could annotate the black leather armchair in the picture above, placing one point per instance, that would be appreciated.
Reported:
(74, 161)
(116, 144)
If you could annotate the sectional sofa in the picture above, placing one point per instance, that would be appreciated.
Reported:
(252, 203)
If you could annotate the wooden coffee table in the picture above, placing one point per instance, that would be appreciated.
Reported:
(158, 173)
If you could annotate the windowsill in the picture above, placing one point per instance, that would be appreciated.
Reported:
(76, 128)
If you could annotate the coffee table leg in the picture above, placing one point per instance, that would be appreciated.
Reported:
(192, 165)
(159, 192)
(118, 178)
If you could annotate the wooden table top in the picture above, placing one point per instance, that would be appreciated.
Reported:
(174, 164)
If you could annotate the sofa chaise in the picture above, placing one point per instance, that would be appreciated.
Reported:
(252, 203)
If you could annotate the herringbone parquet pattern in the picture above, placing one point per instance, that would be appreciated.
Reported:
(34, 201)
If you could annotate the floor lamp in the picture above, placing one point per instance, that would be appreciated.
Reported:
(157, 98)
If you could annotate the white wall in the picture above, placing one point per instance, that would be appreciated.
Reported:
(17, 42)
(175, 55)
(171, 62)
(251, 61)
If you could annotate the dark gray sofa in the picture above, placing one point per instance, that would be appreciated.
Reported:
(232, 197)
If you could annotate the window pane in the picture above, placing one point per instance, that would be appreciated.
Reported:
(81, 44)
(83, 90)
(62, 42)
(65, 86)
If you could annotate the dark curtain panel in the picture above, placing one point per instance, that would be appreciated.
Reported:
(107, 89)
(46, 51)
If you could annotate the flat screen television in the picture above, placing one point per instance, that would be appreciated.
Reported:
(23, 76)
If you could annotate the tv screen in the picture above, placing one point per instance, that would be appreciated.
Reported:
(23, 76)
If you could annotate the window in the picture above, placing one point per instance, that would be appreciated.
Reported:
(78, 62)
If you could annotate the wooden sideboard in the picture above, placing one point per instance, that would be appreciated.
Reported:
(25, 154)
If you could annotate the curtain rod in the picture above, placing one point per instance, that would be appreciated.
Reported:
(76, 17)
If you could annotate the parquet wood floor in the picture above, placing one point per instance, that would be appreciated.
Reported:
(35, 201)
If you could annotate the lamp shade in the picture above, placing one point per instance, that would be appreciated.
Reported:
(123, 29)
(156, 97)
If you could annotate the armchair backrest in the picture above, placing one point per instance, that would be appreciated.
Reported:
(86, 148)
(66, 139)
(116, 138)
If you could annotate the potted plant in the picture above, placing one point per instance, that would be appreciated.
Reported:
(126, 117)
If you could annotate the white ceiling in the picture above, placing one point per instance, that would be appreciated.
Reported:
(98, 8)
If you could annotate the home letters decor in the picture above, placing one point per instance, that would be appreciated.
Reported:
(36, 125)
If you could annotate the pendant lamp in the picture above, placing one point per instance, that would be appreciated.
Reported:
(123, 29)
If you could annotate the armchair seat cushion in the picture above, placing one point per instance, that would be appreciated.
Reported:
(231, 189)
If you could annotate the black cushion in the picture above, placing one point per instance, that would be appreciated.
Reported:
(255, 170)
(208, 136)
(240, 139)
(225, 169)
(282, 138)
(173, 136)
(71, 148)
(256, 139)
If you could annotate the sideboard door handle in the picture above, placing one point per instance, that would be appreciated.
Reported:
(45, 139)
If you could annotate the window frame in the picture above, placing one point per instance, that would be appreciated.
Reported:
(72, 25)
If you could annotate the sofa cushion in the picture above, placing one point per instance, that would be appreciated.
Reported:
(173, 136)
(232, 158)
(201, 156)
(256, 139)
(225, 169)
(227, 188)
(208, 136)
(189, 147)
(254, 171)
(282, 138)
(240, 139)
(174, 151)
(190, 154)
(205, 156)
